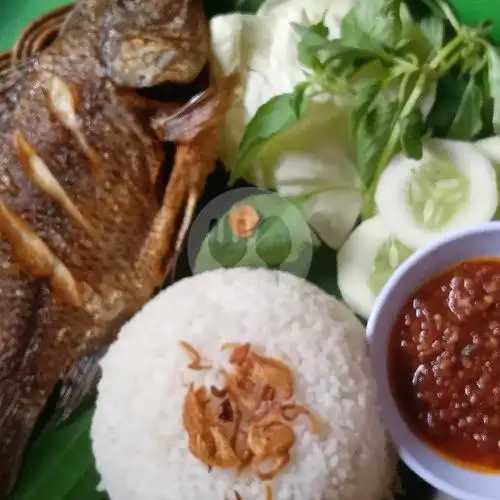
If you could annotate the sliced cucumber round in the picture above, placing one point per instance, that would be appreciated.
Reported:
(490, 148)
(366, 261)
(451, 187)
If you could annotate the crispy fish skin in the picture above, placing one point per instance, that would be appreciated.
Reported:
(85, 240)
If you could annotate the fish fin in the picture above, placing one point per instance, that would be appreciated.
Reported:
(16, 427)
(205, 110)
(80, 383)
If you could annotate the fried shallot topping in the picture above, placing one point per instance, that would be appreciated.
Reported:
(248, 423)
(194, 355)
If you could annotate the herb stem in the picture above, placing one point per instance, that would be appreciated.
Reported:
(445, 52)
(392, 144)
(453, 60)
(414, 96)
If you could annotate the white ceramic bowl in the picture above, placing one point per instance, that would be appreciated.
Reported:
(480, 241)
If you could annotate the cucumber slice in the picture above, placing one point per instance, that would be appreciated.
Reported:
(451, 187)
(366, 261)
(490, 148)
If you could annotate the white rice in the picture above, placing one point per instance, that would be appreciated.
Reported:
(138, 436)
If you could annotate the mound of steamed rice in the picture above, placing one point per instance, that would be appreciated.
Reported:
(139, 441)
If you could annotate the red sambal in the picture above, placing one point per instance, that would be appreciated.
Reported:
(444, 363)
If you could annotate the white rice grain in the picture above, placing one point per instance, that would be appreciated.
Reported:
(138, 437)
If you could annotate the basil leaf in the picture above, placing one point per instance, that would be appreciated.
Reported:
(371, 138)
(312, 38)
(299, 101)
(313, 33)
(412, 130)
(433, 29)
(373, 24)
(449, 92)
(364, 99)
(468, 122)
(275, 116)
(314, 47)
(494, 79)
(483, 81)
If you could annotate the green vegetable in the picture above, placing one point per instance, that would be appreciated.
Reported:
(494, 75)
(371, 136)
(380, 65)
(433, 29)
(275, 116)
(467, 122)
(374, 24)
(413, 128)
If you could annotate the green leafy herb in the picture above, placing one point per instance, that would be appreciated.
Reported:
(433, 29)
(388, 76)
(364, 99)
(313, 38)
(376, 23)
(274, 116)
(449, 92)
(413, 128)
(467, 122)
(371, 136)
(298, 100)
(494, 76)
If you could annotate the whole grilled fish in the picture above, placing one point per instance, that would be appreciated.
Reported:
(85, 240)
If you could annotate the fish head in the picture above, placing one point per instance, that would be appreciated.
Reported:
(144, 43)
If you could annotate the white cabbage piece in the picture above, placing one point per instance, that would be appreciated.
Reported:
(310, 164)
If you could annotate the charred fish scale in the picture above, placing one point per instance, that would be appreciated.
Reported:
(85, 238)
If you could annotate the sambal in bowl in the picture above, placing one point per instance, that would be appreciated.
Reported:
(434, 337)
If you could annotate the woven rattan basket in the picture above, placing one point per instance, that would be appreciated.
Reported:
(35, 37)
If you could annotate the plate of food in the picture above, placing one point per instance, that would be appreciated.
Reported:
(203, 206)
